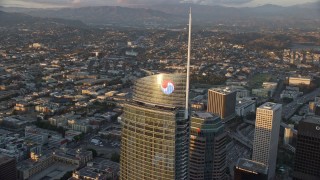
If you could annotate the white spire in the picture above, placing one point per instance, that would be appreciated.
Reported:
(188, 68)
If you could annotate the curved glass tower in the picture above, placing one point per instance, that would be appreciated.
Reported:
(155, 133)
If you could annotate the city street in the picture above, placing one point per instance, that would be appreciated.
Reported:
(289, 109)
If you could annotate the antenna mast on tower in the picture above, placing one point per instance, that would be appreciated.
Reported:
(188, 68)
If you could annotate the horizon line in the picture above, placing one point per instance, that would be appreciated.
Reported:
(143, 6)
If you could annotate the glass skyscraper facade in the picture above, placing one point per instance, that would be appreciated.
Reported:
(307, 156)
(155, 134)
(207, 147)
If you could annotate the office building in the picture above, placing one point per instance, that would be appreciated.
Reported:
(314, 107)
(246, 169)
(222, 102)
(52, 165)
(266, 135)
(296, 81)
(99, 169)
(207, 147)
(241, 92)
(261, 92)
(155, 133)
(36, 135)
(8, 168)
(289, 138)
(245, 107)
(307, 157)
(288, 134)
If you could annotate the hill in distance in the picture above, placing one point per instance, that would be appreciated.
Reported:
(177, 14)
(11, 19)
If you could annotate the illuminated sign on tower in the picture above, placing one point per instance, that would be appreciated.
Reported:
(167, 87)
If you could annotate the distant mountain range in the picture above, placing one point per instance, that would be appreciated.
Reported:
(175, 14)
(219, 13)
(105, 15)
(11, 19)
(111, 15)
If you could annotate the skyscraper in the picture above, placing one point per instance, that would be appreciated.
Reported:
(307, 157)
(8, 168)
(266, 135)
(155, 132)
(156, 127)
(207, 147)
(222, 102)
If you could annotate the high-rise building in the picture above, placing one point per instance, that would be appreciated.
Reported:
(8, 168)
(246, 169)
(314, 107)
(288, 134)
(290, 137)
(207, 147)
(307, 157)
(266, 136)
(222, 102)
(155, 133)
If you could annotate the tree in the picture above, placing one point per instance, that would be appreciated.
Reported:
(78, 137)
(115, 157)
(47, 125)
(210, 78)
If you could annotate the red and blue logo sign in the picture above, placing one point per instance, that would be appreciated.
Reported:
(167, 87)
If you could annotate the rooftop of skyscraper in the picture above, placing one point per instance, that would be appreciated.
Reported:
(206, 121)
(312, 119)
(4, 159)
(222, 90)
(204, 115)
(165, 90)
(269, 106)
(251, 166)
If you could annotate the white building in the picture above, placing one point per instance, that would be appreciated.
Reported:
(266, 136)
(295, 81)
(240, 90)
(243, 107)
(269, 85)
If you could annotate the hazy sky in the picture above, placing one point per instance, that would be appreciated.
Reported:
(79, 3)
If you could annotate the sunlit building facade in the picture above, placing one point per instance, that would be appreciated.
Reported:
(222, 102)
(155, 134)
(266, 136)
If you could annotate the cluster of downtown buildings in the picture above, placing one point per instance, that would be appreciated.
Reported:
(157, 138)
(158, 142)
